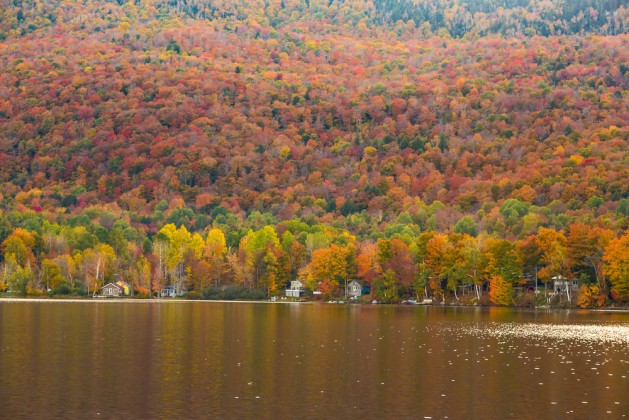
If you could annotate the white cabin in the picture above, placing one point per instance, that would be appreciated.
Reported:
(296, 289)
(354, 289)
(561, 284)
(173, 291)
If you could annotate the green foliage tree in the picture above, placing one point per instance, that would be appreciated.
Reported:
(385, 288)
(51, 274)
(18, 276)
(260, 249)
(466, 225)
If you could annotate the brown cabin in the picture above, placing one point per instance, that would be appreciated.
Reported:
(111, 290)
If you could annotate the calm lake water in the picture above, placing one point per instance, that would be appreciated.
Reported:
(235, 360)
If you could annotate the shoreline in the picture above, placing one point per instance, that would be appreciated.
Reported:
(129, 300)
(170, 300)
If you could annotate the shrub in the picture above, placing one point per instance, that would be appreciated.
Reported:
(62, 289)
(34, 292)
(252, 294)
(526, 300)
(212, 294)
(79, 290)
(194, 295)
(233, 292)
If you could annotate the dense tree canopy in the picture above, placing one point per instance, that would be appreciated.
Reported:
(432, 144)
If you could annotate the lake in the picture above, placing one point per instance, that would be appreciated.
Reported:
(235, 360)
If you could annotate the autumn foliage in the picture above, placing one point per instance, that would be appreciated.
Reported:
(417, 146)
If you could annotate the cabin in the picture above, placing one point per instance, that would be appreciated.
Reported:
(561, 284)
(173, 291)
(296, 289)
(354, 289)
(112, 290)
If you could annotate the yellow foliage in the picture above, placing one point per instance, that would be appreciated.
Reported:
(500, 291)
(21, 197)
(616, 267)
(310, 44)
(590, 297)
(285, 152)
(32, 291)
(576, 159)
(23, 66)
(124, 27)
(370, 152)
(504, 182)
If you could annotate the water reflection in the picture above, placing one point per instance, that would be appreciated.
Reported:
(256, 360)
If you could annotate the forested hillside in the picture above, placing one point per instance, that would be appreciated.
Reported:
(390, 134)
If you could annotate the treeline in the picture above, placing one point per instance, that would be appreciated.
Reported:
(459, 18)
(41, 256)
(455, 18)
